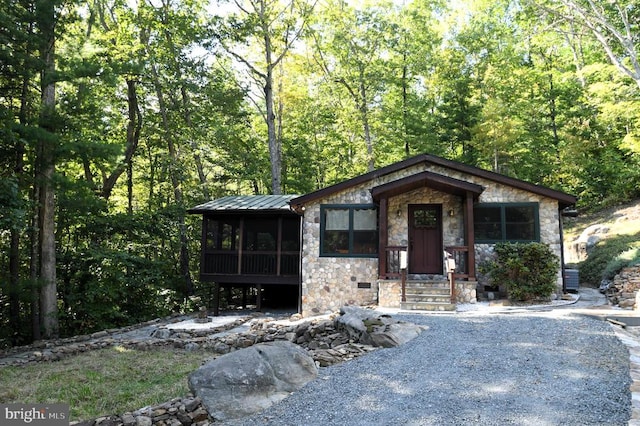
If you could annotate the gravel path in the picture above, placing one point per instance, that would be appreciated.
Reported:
(500, 369)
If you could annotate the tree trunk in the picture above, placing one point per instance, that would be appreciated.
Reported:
(34, 264)
(196, 155)
(134, 127)
(46, 222)
(175, 182)
(275, 146)
(364, 113)
(14, 251)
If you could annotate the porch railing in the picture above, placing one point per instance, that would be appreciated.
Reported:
(460, 255)
(393, 255)
(251, 263)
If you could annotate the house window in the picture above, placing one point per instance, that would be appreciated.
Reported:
(350, 231)
(514, 222)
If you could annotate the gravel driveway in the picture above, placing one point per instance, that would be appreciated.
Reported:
(487, 369)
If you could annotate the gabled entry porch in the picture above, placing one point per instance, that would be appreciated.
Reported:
(425, 228)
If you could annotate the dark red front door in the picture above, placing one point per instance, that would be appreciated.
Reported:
(425, 239)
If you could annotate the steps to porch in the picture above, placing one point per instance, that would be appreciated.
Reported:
(427, 295)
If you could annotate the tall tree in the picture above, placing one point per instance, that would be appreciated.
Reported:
(272, 27)
(613, 23)
(46, 18)
(352, 46)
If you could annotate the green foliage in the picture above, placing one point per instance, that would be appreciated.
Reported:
(12, 208)
(608, 257)
(116, 274)
(528, 271)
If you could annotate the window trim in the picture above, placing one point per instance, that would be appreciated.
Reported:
(503, 222)
(350, 208)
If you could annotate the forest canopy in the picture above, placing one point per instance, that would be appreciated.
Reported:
(116, 116)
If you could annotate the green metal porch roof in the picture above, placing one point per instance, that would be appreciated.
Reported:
(245, 204)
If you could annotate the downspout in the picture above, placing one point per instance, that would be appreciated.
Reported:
(560, 227)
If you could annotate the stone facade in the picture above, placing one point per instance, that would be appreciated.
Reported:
(331, 282)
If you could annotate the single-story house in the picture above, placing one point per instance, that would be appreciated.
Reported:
(407, 235)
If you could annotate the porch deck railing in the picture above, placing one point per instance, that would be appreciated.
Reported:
(251, 263)
(460, 255)
(393, 269)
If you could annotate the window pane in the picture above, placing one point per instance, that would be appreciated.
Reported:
(335, 242)
(336, 220)
(521, 232)
(425, 219)
(506, 222)
(487, 223)
(519, 214)
(365, 242)
(487, 214)
(520, 223)
(488, 231)
(365, 220)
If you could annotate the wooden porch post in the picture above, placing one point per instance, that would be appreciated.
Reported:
(240, 243)
(383, 238)
(259, 298)
(471, 241)
(216, 299)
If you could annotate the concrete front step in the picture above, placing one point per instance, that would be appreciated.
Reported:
(427, 284)
(420, 291)
(428, 298)
(427, 306)
(428, 295)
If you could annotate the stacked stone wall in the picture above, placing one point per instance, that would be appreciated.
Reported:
(331, 282)
(624, 289)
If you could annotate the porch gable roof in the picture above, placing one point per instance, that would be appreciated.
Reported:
(429, 180)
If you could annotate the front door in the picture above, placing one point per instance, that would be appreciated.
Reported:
(425, 239)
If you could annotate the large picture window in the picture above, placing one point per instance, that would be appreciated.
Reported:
(514, 222)
(349, 231)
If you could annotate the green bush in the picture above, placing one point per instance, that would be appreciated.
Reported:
(528, 271)
(608, 257)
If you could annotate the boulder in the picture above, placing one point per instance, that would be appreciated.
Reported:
(395, 334)
(249, 380)
(368, 327)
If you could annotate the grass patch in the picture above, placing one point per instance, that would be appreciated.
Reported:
(103, 382)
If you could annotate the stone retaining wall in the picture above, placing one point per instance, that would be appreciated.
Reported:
(624, 290)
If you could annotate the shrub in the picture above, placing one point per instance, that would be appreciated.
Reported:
(528, 271)
(608, 257)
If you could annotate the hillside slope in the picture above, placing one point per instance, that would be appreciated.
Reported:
(601, 243)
